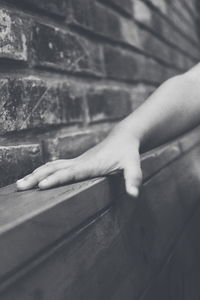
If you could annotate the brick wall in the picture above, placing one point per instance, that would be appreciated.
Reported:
(70, 69)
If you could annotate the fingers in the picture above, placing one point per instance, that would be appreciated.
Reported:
(57, 178)
(69, 174)
(56, 173)
(133, 177)
(39, 174)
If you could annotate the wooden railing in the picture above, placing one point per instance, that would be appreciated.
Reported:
(90, 240)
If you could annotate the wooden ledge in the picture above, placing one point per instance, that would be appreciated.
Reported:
(33, 221)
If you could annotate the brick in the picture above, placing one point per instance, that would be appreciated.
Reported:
(14, 36)
(81, 13)
(18, 160)
(107, 23)
(137, 36)
(73, 144)
(152, 45)
(30, 102)
(95, 17)
(57, 49)
(125, 5)
(108, 104)
(55, 7)
(133, 66)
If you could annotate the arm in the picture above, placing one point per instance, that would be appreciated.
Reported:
(170, 111)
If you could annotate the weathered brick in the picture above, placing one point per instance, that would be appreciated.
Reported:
(62, 50)
(107, 23)
(18, 160)
(73, 144)
(95, 17)
(81, 13)
(14, 32)
(30, 103)
(108, 104)
(133, 66)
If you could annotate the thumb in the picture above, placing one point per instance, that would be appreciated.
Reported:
(133, 176)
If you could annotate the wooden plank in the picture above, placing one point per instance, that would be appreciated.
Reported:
(117, 254)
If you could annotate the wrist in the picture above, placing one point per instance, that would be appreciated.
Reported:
(126, 130)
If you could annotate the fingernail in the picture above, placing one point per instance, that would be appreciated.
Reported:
(21, 184)
(133, 191)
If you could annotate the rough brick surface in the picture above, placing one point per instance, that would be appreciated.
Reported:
(82, 13)
(97, 18)
(108, 104)
(14, 32)
(66, 51)
(17, 161)
(30, 102)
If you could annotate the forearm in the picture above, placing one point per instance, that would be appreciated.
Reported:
(169, 112)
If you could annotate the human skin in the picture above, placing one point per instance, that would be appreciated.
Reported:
(173, 109)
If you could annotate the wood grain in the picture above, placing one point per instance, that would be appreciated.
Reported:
(92, 241)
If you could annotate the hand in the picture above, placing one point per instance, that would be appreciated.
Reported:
(119, 151)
